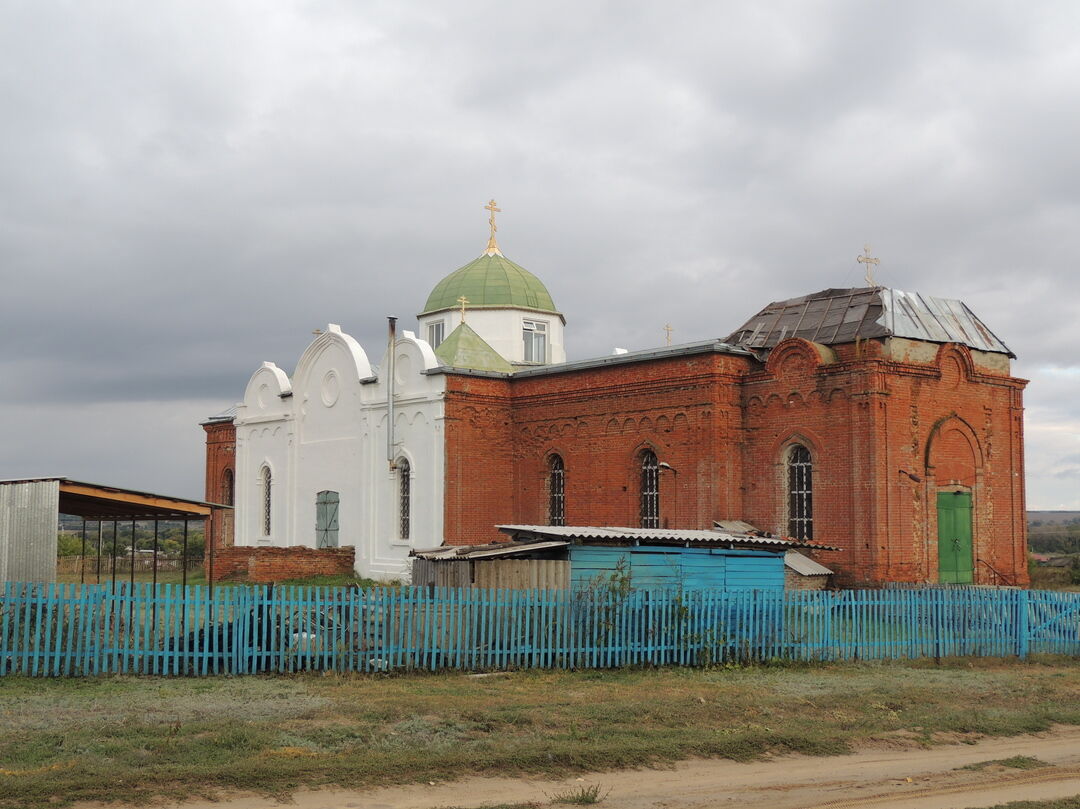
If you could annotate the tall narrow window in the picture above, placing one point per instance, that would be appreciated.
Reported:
(266, 482)
(534, 333)
(326, 519)
(435, 333)
(650, 490)
(404, 498)
(556, 491)
(800, 493)
(227, 488)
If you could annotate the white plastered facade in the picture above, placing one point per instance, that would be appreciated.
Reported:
(325, 430)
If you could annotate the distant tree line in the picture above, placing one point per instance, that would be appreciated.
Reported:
(170, 539)
(1054, 537)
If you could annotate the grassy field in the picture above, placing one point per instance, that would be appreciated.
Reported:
(137, 739)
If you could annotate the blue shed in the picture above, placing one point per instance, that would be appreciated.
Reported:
(665, 566)
(718, 559)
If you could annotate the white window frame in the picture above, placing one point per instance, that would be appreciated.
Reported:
(529, 331)
(441, 326)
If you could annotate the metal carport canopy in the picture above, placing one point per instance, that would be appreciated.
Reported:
(94, 501)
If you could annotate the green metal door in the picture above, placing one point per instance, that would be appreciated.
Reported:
(955, 559)
(326, 520)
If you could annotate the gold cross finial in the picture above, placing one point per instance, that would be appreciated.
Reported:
(463, 300)
(669, 330)
(317, 332)
(870, 264)
(493, 246)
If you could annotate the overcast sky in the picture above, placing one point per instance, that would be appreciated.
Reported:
(190, 188)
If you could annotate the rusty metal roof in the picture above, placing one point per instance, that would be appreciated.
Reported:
(844, 315)
(657, 535)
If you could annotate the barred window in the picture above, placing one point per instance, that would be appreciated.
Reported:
(404, 498)
(650, 490)
(556, 491)
(266, 483)
(800, 476)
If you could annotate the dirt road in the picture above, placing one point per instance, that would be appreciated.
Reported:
(883, 778)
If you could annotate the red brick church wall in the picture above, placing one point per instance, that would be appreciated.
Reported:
(724, 422)
(500, 435)
(886, 436)
(220, 473)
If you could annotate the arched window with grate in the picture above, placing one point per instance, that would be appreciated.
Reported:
(800, 492)
(404, 498)
(556, 491)
(650, 490)
(266, 483)
(228, 488)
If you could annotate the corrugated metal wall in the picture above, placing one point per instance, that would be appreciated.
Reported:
(654, 566)
(28, 525)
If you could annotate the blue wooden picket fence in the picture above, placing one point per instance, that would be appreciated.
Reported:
(78, 630)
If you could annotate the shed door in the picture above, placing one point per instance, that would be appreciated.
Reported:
(326, 520)
(956, 561)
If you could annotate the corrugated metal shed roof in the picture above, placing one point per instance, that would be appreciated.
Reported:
(571, 532)
(97, 501)
(843, 315)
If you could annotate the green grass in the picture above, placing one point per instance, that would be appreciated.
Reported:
(581, 796)
(1015, 762)
(145, 739)
(1060, 803)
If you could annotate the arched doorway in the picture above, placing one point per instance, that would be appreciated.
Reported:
(956, 558)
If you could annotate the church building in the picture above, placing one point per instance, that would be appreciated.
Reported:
(882, 422)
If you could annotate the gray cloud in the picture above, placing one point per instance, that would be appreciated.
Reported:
(191, 189)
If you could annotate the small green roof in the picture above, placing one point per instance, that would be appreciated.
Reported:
(464, 348)
(492, 281)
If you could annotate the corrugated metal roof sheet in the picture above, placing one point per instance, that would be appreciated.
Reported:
(225, 415)
(843, 315)
(457, 552)
(654, 535)
(804, 566)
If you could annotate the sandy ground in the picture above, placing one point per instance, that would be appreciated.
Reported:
(888, 777)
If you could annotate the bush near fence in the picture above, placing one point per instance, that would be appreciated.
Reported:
(51, 630)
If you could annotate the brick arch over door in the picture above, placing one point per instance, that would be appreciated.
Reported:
(954, 463)
(953, 452)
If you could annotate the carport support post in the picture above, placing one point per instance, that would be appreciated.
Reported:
(183, 558)
(209, 540)
(98, 566)
(155, 553)
(114, 557)
(82, 557)
(131, 575)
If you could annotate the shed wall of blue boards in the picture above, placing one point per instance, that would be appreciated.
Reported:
(686, 568)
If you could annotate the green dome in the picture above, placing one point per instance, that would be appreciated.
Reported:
(491, 280)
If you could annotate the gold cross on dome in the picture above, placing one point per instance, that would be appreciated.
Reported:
(492, 246)
(463, 300)
(669, 330)
(870, 264)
